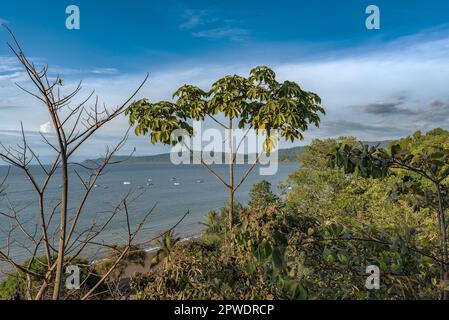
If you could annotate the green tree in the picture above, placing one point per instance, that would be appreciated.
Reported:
(258, 102)
(315, 154)
(261, 195)
(430, 163)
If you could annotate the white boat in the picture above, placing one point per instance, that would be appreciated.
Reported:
(150, 180)
(126, 183)
(176, 184)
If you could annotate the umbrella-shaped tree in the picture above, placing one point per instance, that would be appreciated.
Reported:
(258, 102)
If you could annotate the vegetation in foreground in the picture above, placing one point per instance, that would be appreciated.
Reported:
(313, 242)
(317, 241)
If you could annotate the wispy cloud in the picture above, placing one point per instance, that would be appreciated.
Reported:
(106, 71)
(386, 108)
(203, 24)
(345, 127)
(13, 75)
(10, 69)
(234, 34)
(8, 64)
(434, 113)
(195, 18)
(83, 71)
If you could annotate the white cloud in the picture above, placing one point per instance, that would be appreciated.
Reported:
(105, 71)
(45, 128)
(9, 64)
(416, 68)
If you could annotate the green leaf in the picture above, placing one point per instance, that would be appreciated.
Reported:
(395, 149)
(280, 238)
(278, 258)
(263, 251)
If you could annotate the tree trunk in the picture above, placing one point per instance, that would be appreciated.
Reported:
(231, 210)
(62, 228)
(231, 180)
(44, 230)
(444, 251)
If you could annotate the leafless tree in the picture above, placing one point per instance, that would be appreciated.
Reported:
(74, 123)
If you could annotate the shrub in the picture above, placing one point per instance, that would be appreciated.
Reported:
(15, 285)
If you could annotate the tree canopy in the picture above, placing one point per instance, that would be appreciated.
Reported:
(258, 101)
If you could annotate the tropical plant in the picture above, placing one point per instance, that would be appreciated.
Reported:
(214, 226)
(165, 247)
(261, 195)
(430, 164)
(257, 102)
(317, 244)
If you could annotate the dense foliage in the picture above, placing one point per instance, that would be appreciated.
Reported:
(422, 162)
(14, 286)
(316, 242)
(258, 101)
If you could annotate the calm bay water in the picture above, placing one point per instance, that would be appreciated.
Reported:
(194, 190)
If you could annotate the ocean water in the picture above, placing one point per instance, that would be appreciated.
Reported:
(173, 190)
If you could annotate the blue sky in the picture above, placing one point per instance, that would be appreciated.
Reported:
(375, 84)
(127, 34)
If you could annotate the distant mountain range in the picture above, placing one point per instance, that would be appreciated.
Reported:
(284, 155)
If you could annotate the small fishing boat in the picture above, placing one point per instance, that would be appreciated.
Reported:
(176, 184)
(126, 183)
(199, 181)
